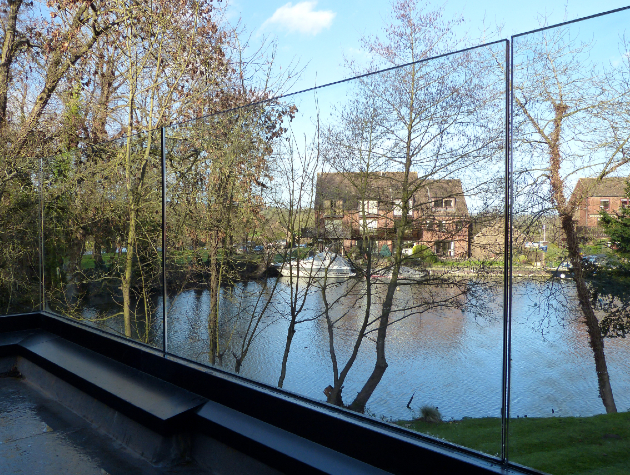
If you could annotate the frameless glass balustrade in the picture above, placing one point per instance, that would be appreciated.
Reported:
(103, 233)
(346, 243)
(570, 381)
(20, 236)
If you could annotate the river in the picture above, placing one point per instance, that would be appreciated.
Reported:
(445, 350)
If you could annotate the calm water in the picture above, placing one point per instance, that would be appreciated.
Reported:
(449, 357)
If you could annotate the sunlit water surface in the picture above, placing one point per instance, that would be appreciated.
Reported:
(444, 357)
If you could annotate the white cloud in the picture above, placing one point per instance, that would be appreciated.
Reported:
(301, 18)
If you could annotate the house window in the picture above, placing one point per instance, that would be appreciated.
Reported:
(429, 225)
(334, 228)
(624, 203)
(438, 203)
(445, 248)
(449, 203)
(370, 207)
(333, 207)
(604, 204)
(398, 208)
(371, 225)
(442, 226)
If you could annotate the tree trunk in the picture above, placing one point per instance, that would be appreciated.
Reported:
(8, 52)
(238, 362)
(596, 340)
(287, 348)
(380, 366)
(98, 256)
(75, 255)
(127, 276)
(213, 318)
(566, 210)
(334, 396)
(106, 78)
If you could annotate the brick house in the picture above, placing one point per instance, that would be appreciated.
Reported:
(351, 208)
(595, 195)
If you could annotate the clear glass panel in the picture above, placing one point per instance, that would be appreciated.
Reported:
(346, 244)
(20, 232)
(102, 236)
(570, 379)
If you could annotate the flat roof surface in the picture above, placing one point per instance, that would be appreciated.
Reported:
(40, 436)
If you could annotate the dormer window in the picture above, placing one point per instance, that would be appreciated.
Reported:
(444, 203)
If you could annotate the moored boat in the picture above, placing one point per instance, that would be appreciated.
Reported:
(404, 274)
(324, 264)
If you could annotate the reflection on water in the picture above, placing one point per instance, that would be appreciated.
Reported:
(449, 357)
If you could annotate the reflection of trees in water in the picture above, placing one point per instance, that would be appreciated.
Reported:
(438, 334)
(343, 319)
(611, 301)
(555, 303)
(443, 295)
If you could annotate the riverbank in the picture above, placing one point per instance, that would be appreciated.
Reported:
(517, 271)
(558, 445)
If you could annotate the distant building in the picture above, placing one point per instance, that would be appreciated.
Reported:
(596, 195)
(489, 242)
(352, 207)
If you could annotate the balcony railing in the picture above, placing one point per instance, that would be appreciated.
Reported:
(163, 254)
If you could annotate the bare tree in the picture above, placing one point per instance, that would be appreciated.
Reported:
(403, 144)
(572, 119)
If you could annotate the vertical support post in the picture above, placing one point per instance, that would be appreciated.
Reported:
(42, 294)
(507, 257)
(164, 290)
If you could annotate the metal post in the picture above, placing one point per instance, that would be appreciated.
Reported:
(42, 294)
(164, 290)
(507, 257)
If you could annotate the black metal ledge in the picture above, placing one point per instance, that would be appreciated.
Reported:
(168, 394)
(276, 447)
(154, 403)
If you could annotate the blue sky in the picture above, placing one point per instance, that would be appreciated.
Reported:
(320, 33)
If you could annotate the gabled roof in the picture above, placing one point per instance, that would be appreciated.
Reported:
(386, 187)
(606, 187)
(431, 190)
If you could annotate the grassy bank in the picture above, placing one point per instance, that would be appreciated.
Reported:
(557, 445)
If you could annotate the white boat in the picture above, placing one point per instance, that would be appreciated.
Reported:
(404, 274)
(324, 264)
